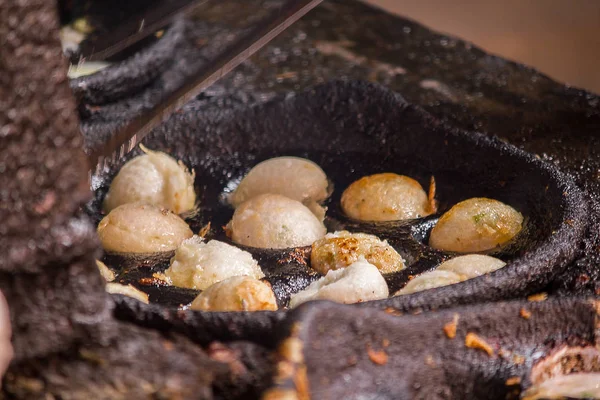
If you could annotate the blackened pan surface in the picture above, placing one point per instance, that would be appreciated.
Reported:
(487, 351)
(352, 129)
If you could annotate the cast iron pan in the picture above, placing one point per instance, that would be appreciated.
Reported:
(353, 129)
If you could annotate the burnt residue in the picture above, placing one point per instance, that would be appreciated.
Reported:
(492, 352)
(145, 272)
(353, 129)
(201, 327)
(289, 279)
(286, 271)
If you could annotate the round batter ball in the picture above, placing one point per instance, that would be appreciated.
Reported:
(142, 228)
(341, 249)
(430, 280)
(275, 221)
(238, 293)
(293, 177)
(359, 282)
(385, 197)
(153, 178)
(198, 265)
(472, 265)
(475, 225)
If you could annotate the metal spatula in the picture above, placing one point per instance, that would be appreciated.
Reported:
(126, 138)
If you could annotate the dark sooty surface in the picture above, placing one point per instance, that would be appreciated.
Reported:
(353, 129)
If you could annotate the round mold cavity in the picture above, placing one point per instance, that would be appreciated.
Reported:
(353, 129)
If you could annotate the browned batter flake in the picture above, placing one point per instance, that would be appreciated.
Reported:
(474, 341)
(433, 204)
(518, 359)
(160, 279)
(385, 343)
(378, 357)
(515, 380)
(296, 255)
(393, 311)
(450, 327)
(153, 281)
(525, 313)
(538, 297)
(205, 230)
